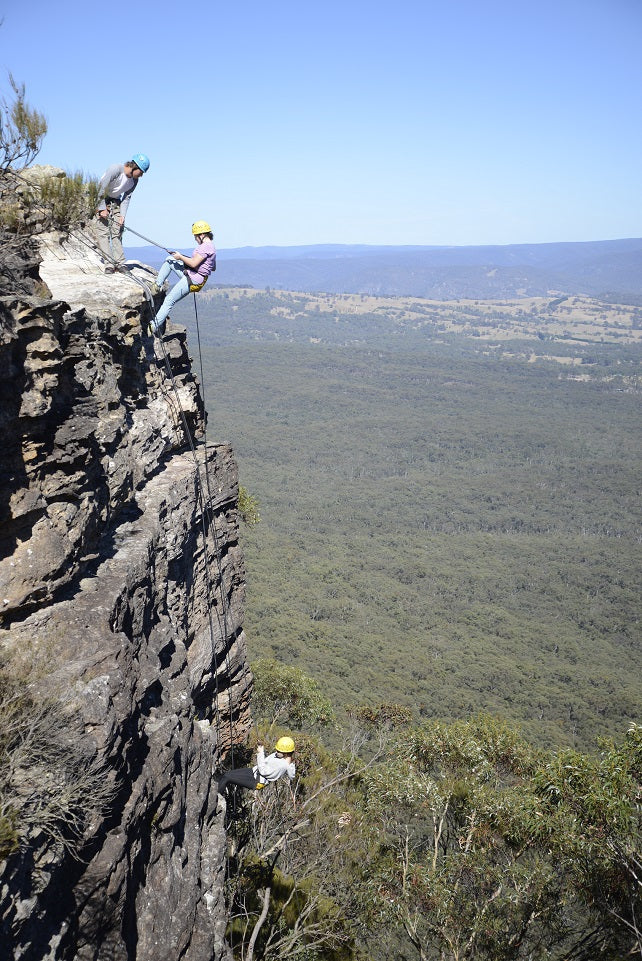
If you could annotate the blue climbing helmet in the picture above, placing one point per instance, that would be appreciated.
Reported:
(141, 160)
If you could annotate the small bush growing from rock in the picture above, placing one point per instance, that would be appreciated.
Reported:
(50, 781)
(69, 201)
(248, 507)
(8, 833)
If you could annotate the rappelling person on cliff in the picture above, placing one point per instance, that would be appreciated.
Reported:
(266, 771)
(193, 272)
(116, 186)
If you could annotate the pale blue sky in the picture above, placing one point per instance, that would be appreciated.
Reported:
(411, 122)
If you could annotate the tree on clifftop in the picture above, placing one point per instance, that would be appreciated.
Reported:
(22, 130)
(33, 201)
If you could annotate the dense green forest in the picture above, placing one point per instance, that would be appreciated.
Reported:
(436, 842)
(449, 528)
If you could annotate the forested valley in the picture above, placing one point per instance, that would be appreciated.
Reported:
(443, 609)
(448, 525)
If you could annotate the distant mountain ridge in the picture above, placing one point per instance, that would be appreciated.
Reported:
(606, 268)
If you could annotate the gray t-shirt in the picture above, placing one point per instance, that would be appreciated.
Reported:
(116, 185)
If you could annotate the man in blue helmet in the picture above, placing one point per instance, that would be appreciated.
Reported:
(116, 186)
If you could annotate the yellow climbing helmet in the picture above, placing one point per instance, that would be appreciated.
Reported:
(285, 745)
(201, 227)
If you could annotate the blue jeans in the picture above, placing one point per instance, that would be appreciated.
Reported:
(178, 291)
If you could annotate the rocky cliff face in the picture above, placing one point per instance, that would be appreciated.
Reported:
(120, 569)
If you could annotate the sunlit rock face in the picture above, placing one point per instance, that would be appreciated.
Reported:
(120, 570)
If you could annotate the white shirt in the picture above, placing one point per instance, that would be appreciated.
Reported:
(272, 767)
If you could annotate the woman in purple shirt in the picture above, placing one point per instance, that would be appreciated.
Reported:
(193, 271)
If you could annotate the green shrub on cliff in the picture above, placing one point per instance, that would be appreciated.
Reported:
(450, 841)
(69, 201)
(8, 832)
(248, 507)
(492, 850)
(59, 202)
(285, 695)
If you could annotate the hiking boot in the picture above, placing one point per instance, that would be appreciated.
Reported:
(154, 288)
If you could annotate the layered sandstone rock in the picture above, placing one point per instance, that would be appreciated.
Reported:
(120, 567)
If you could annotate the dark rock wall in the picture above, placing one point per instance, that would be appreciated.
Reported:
(120, 566)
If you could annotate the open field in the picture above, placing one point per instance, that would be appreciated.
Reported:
(561, 319)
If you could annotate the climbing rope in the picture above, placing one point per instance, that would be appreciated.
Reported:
(152, 242)
(218, 551)
(208, 521)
